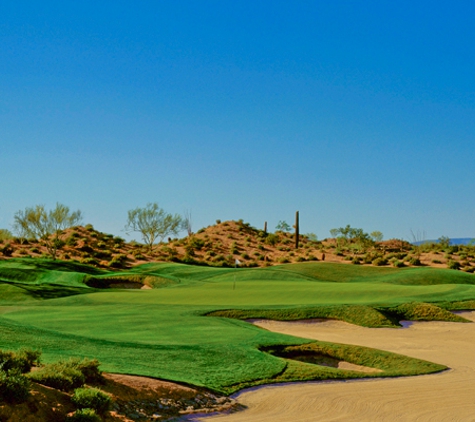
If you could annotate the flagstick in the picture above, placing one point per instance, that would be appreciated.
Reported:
(236, 263)
(234, 284)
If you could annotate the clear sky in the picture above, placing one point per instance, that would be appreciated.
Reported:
(352, 112)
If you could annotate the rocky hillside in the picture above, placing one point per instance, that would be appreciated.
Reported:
(228, 242)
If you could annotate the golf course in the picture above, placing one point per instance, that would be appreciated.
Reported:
(188, 324)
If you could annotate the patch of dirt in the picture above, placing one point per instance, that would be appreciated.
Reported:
(134, 399)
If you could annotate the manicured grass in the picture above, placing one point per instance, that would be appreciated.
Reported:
(163, 332)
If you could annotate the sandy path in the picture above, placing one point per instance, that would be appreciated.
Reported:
(448, 396)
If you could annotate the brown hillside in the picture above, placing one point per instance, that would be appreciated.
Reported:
(225, 242)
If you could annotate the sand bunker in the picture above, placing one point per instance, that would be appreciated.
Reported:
(447, 396)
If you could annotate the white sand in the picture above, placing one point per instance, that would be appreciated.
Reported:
(447, 396)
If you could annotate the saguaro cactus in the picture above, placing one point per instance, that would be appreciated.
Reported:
(297, 230)
(265, 226)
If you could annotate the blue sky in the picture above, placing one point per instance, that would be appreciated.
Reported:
(352, 112)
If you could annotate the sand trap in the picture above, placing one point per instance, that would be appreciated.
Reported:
(448, 396)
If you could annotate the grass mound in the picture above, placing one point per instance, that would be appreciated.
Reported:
(390, 364)
(424, 312)
(365, 316)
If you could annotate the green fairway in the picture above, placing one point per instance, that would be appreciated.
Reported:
(163, 332)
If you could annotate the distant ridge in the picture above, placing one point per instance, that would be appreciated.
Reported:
(454, 241)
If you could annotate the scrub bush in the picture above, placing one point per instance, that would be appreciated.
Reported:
(453, 265)
(84, 415)
(68, 375)
(14, 386)
(22, 360)
(378, 262)
(91, 398)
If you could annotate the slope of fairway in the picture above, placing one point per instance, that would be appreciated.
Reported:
(163, 332)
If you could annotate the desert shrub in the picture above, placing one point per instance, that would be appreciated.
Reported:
(414, 261)
(68, 375)
(89, 261)
(218, 221)
(244, 255)
(437, 261)
(6, 250)
(86, 248)
(91, 398)
(234, 249)
(189, 250)
(34, 250)
(210, 253)
(118, 240)
(378, 262)
(23, 360)
(272, 239)
(14, 386)
(356, 261)
(283, 260)
(453, 265)
(71, 241)
(338, 252)
(84, 415)
(106, 254)
(197, 243)
(262, 234)
(89, 368)
(398, 264)
(300, 259)
(369, 257)
(59, 376)
(118, 261)
(89, 227)
(311, 257)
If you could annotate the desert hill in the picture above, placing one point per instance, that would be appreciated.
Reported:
(235, 242)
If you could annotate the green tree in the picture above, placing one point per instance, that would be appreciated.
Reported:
(444, 241)
(377, 236)
(282, 226)
(153, 223)
(46, 226)
(5, 235)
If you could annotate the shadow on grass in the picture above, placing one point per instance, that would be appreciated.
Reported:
(48, 291)
(49, 264)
